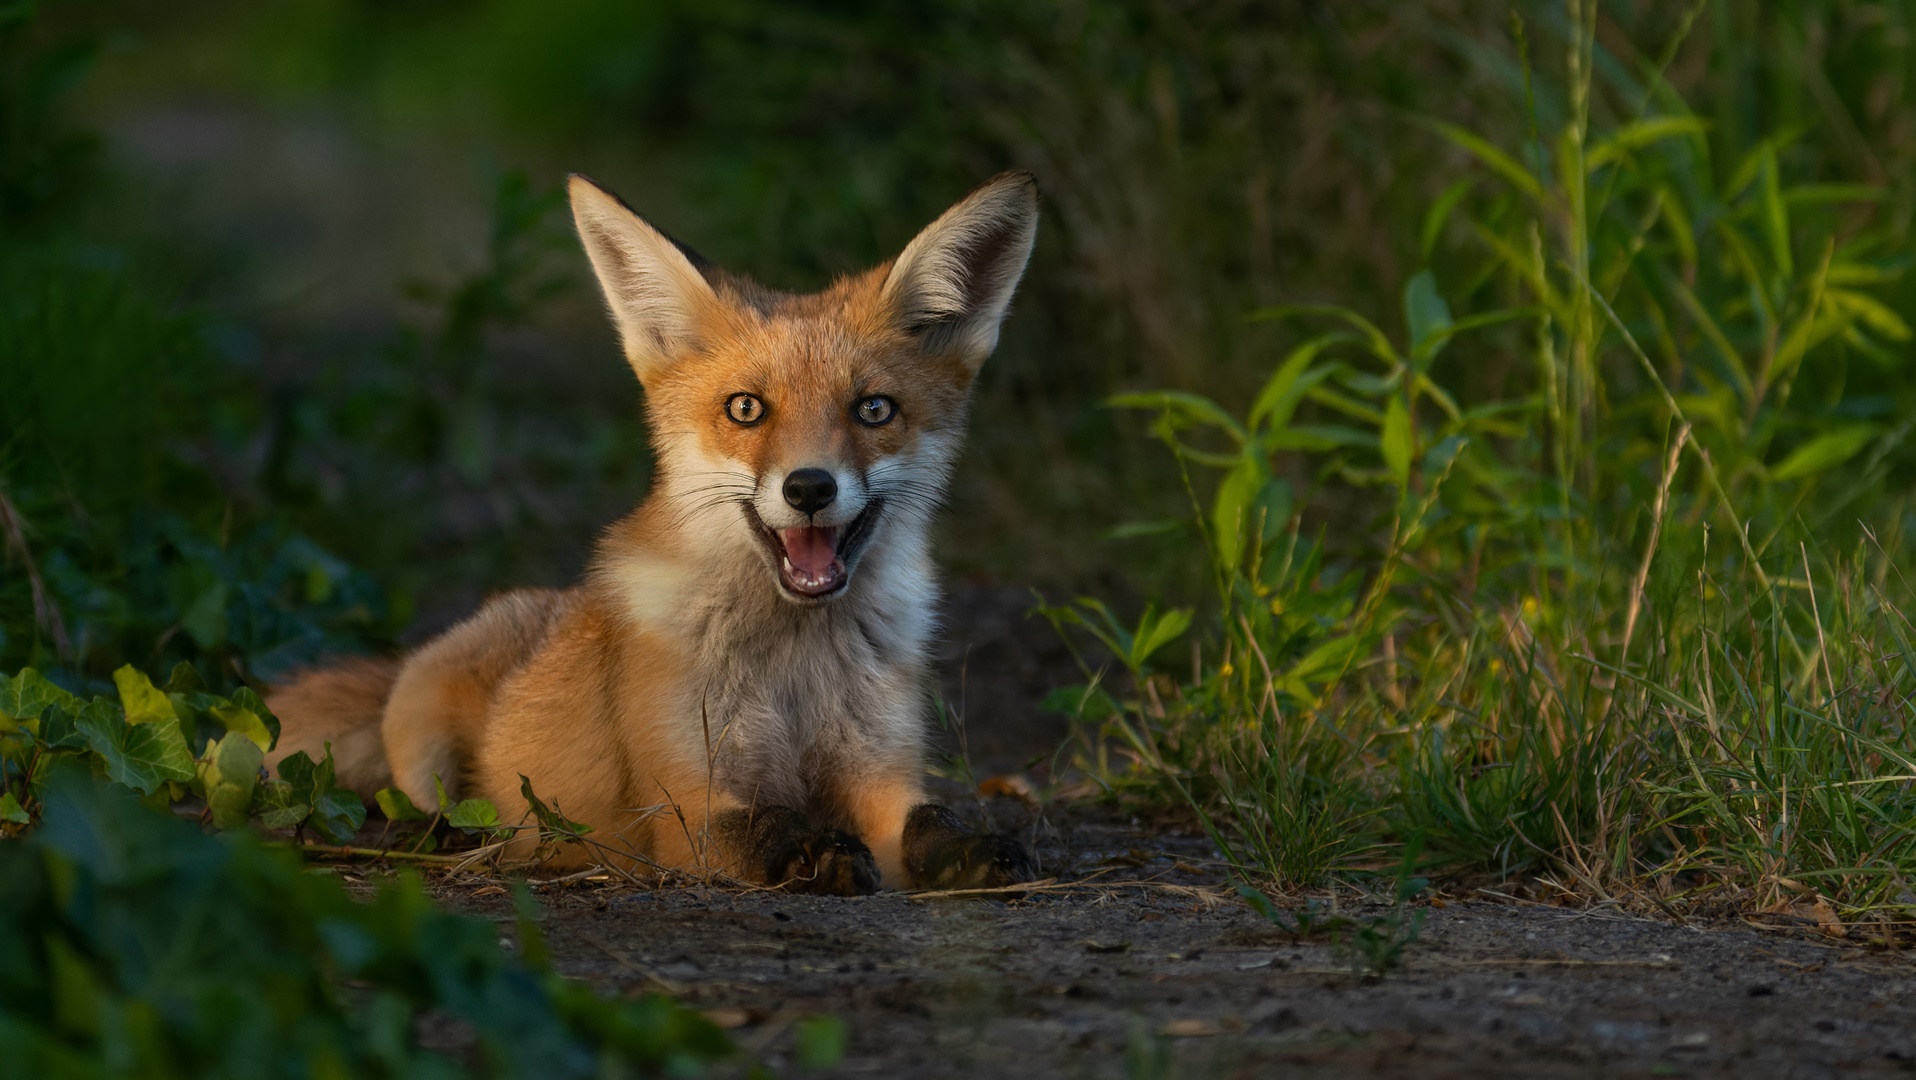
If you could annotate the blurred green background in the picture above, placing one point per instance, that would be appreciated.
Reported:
(298, 351)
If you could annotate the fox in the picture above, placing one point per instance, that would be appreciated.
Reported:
(740, 682)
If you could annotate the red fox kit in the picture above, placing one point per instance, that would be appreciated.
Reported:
(740, 682)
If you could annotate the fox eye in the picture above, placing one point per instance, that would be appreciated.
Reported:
(745, 409)
(875, 411)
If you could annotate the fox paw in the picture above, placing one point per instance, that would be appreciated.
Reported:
(977, 862)
(832, 863)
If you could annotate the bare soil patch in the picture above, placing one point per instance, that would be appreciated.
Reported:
(1151, 979)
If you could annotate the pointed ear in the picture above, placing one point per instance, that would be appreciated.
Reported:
(653, 286)
(952, 284)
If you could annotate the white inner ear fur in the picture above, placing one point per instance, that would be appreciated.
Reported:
(655, 294)
(953, 283)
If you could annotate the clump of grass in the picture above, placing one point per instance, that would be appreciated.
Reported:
(1636, 621)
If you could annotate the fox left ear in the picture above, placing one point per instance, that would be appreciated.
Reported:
(653, 285)
(952, 285)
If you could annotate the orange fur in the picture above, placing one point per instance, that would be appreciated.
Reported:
(685, 676)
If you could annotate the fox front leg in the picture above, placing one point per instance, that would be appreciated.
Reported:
(940, 854)
(778, 846)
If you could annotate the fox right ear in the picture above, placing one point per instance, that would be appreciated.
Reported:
(653, 287)
(952, 285)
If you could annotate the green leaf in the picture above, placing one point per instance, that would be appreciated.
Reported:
(229, 773)
(473, 815)
(1375, 339)
(185, 679)
(1747, 170)
(1228, 524)
(1292, 379)
(1819, 194)
(246, 699)
(1499, 162)
(1190, 408)
(11, 811)
(337, 815)
(1395, 441)
(1260, 904)
(280, 806)
(60, 729)
(142, 756)
(1428, 317)
(1776, 217)
(1874, 314)
(144, 703)
(1155, 631)
(1438, 214)
(298, 769)
(1824, 452)
(1325, 661)
(1642, 133)
(397, 806)
(305, 793)
(238, 720)
(28, 693)
(550, 819)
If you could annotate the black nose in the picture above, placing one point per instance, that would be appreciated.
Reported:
(810, 490)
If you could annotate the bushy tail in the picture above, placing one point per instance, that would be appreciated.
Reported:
(342, 706)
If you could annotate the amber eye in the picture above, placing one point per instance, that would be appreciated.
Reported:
(875, 411)
(745, 410)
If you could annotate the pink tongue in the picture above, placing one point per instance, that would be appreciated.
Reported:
(812, 550)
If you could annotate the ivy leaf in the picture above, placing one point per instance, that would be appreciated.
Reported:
(229, 773)
(142, 756)
(305, 794)
(144, 703)
(280, 806)
(245, 698)
(11, 811)
(474, 815)
(239, 720)
(397, 806)
(337, 814)
(28, 693)
(185, 679)
(59, 728)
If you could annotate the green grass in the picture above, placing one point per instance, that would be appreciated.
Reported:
(1636, 623)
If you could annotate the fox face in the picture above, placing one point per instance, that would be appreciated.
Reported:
(805, 432)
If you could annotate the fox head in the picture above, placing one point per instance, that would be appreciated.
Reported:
(807, 432)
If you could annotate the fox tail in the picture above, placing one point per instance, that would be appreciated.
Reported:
(342, 707)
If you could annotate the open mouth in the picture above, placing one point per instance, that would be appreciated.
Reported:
(814, 561)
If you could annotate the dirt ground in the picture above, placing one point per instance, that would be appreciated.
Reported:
(1156, 969)
(1151, 983)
